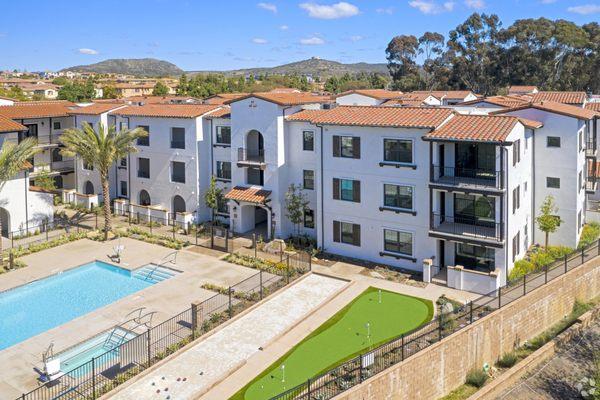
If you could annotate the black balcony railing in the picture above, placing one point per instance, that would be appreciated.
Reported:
(469, 227)
(591, 147)
(251, 155)
(458, 176)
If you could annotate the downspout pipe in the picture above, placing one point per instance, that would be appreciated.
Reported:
(322, 189)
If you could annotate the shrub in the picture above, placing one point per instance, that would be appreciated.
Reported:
(508, 360)
(477, 378)
(589, 234)
(520, 268)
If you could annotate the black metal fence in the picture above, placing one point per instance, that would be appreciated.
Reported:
(353, 372)
(103, 373)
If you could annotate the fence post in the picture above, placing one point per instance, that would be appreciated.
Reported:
(308, 388)
(151, 226)
(524, 284)
(254, 243)
(471, 312)
(96, 214)
(167, 223)
(440, 324)
(138, 217)
(546, 274)
(402, 337)
(598, 246)
(12, 240)
(11, 260)
(566, 263)
(148, 345)
(230, 305)
(194, 319)
(287, 270)
(309, 262)
(196, 234)
(93, 378)
(582, 255)
(46, 230)
(261, 284)
(500, 297)
(360, 368)
(212, 236)
(129, 217)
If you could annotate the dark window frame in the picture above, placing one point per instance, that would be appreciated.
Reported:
(145, 140)
(306, 180)
(397, 246)
(177, 144)
(308, 144)
(221, 172)
(309, 218)
(551, 141)
(174, 175)
(398, 197)
(219, 134)
(552, 182)
(388, 152)
(141, 173)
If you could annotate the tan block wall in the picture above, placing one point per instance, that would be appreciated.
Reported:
(443, 367)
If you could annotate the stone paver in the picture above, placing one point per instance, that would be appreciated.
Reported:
(209, 360)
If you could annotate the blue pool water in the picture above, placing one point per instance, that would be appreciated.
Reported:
(41, 305)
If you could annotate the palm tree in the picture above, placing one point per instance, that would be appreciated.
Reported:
(101, 149)
(14, 159)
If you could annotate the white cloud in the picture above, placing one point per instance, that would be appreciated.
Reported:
(284, 27)
(356, 38)
(268, 6)
(585, 9)
(476, 4)
(260, 41)
(388, 10)
(87, 51)
(333, 11)
(312, 41)
(431, 7)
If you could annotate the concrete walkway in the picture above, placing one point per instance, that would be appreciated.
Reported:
(208, 361)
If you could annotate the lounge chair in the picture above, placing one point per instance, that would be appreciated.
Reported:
(52, 370)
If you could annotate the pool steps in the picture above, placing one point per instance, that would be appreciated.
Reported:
(153, 273)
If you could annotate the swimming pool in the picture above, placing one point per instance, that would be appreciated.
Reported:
(31, 309)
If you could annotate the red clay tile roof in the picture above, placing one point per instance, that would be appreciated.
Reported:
(249, 194)
(399, 117)
(305, 115)
(593, 106)
(481, 128)
(379, 94)
(448, 94)
(95, 108)
(224, 112)
(166, 110)
(223, 97)
(557, 108)
(285, 99)
(36, 109)
(560, 97)
(8, 125)
(529, 123)
(519, 89)
(502, 101)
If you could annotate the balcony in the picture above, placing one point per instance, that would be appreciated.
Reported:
(63, 166)
(470, 230)
(251, 157)
(464, 178)
(591, 149)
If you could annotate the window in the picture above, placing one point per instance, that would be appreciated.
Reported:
(255, 176)
(178, 138)
(124, 126)
(309, 179)
(346, 189)
(177, 171)
(398, 196)
(123, 162)
(553, 141)
(516, 151)
(224, 170)
(144, 141)
(223, 134)
(222, 207)
(56, 155)
(470, 209)
(143, 167)
(123, 188)
(308, 141)
(516, 243)
(475, 257)
(56, 125)
(398, 242)
(32, 131)
(309, 218)
(346, 232)
(396, 150)
(516, 198)
(346, 146)
(88, 166)
(552, 182)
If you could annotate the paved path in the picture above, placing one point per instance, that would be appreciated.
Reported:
(210, 360)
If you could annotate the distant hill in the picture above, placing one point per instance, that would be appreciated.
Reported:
(313, 66)
(131, 66)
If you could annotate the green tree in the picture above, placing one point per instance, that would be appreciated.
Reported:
(160, 89)
(61, 80)
(77, 92)
(109, 92)
(213, 197)
(548, 221)
(401, 54)
(182, 87)
(295, 204)
(101, 148)
(45, 181)
(431, 46)
(14, 159)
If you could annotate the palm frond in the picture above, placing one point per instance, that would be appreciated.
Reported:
(14, 157)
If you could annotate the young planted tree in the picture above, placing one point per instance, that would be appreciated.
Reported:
(101, 148)
(13, 159)
(548, 221)
(213, 197)
(295, 204)
(160, 89)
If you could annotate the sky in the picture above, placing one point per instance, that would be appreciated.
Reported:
(230, 34)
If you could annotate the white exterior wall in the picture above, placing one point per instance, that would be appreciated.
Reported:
(565, 163)
(14, 194)
(356, 99)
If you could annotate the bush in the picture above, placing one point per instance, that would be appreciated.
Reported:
(589, 234)
(539, 258)
(477, 378)
(508, 360)
(521, 267)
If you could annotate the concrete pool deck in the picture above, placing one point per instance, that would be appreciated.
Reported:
(166, 298)
(210, 360)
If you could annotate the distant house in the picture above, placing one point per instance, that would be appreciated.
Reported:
(414, 100)
(519, 90)
(137, 89)
(366, 97)
(222, 97)
(450, 97)
(572, 98)
(45, 90)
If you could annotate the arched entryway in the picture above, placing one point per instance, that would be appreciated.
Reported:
(144, 198)
(88, 188)
(5, 220)
(178, 204)
(255, 146)
(254, 218)
(56, 155)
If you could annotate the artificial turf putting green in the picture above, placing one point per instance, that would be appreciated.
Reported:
(340, 338)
